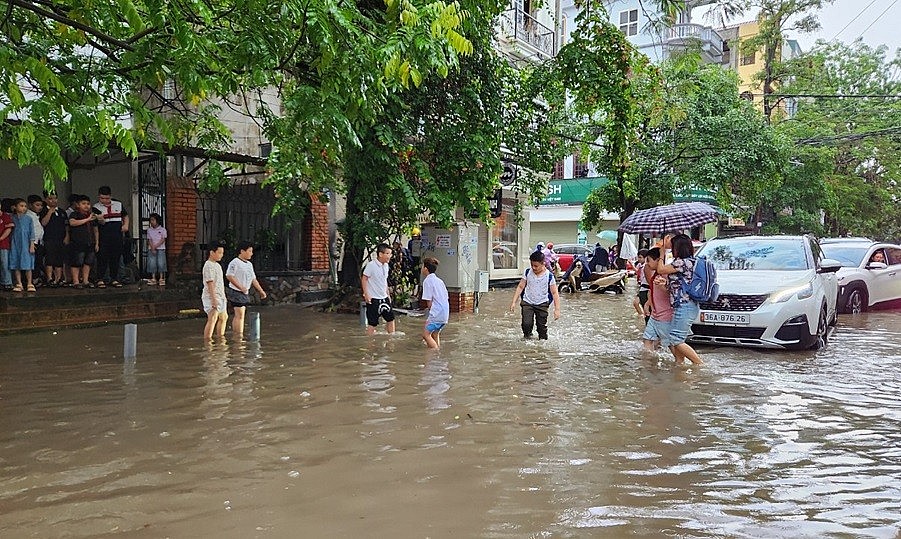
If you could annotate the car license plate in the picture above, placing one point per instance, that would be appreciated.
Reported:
(725, 318)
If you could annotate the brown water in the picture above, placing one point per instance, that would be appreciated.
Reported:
(319, 431)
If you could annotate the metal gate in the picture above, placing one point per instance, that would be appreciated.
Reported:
(151, 199)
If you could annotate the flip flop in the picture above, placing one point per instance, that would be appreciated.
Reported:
(31, 288)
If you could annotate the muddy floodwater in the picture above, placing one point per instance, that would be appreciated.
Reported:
(320, 431)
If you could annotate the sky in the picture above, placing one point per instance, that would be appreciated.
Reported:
(876, 21)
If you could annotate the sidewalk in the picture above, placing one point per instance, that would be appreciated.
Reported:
(52, 308)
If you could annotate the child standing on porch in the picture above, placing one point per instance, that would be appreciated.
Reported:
(84, 241)
(24, 242)
(6, 231)
(156, 250)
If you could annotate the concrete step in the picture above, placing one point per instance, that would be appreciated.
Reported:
(50, 308)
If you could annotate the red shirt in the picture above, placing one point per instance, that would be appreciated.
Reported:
(6, 222)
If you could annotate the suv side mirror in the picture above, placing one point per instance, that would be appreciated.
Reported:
(876, 265)
(828, 265)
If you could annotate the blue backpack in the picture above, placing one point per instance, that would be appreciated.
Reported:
(703, 286)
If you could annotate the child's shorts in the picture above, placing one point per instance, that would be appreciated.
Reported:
(379, 308)
(208, 306)
(657, 331)
(55, 255)
(236, 297)
(433, 327)
(81, 255)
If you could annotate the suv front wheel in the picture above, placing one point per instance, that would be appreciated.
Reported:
(818, 339)
(857, 300)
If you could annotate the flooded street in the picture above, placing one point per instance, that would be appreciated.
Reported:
(320, 431)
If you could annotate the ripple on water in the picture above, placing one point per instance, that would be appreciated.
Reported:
(579, 435)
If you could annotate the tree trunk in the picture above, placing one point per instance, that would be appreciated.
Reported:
(352, 261)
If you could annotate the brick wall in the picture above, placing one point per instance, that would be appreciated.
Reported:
(316, 229)
(181, 224)
(461, 302)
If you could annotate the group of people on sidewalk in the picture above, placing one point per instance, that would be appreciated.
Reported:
(37, 235)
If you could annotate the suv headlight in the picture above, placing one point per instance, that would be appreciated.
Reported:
(803, 291)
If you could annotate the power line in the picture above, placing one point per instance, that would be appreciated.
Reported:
(821, 141)
(877, 19)
(852, 20)
(836, 96)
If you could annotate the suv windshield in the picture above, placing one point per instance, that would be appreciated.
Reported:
(756, 254)
(849, 255)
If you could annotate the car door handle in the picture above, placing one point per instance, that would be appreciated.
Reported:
(892, 274)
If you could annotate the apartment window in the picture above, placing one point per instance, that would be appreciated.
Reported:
(749, 59)
(628, 22)
(580, 167)
(558, 170)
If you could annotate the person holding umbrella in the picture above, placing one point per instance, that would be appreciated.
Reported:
(685, 310)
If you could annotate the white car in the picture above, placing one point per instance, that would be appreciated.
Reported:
(871, 273)
(775, 292)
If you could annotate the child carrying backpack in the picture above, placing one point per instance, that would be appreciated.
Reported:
(536, 291)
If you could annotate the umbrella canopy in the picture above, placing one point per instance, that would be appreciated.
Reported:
(669, 218)
(607, 235)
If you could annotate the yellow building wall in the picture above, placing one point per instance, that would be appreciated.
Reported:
(746, 73)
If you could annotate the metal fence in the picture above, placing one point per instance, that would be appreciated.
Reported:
(244, 212)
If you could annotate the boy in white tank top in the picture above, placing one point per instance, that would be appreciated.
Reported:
(536, 291)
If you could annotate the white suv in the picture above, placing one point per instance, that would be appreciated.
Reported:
(775, 292)
(871, 273)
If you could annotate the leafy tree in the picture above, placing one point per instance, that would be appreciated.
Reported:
(74, 75)
(663, 130)
(434, 152)
(848, 156)
(775, 17)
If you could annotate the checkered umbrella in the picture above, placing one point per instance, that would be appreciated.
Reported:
(670, 218)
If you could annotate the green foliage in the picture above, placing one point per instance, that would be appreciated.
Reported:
(657, 131)
(74, 75)
(846, 159)
(434, 152)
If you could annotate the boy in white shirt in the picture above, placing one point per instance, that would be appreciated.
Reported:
(375, 290)
(537, 289)
(213, 295)
(241, 277)
(434, 292)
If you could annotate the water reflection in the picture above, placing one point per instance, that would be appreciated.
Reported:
(491, 436)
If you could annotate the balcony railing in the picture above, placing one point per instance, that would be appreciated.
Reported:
(525, 28)
(710, 40)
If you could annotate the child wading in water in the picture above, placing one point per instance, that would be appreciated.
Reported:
(434, 292)
(658, 308)
(537, 290)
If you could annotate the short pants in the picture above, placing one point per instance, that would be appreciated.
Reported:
(432, 327)
(379, 308)
(657, 330)
(683, 317)
(236, 297)
(81, 255)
